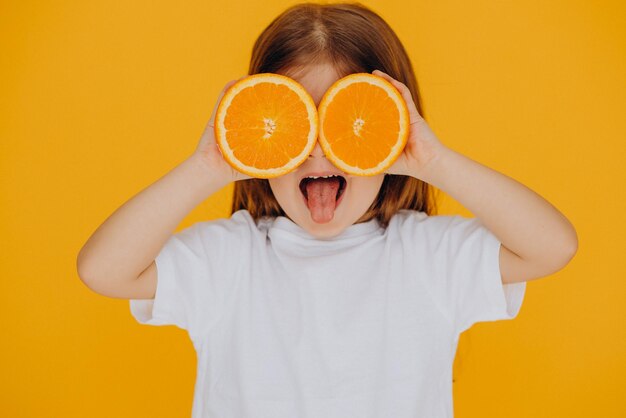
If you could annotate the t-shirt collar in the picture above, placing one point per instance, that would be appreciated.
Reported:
(283, 223)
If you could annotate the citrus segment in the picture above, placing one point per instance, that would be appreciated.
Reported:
(266, 125)
(363, 124)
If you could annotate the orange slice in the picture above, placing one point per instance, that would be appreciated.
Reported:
(364, 124)
(266, 125)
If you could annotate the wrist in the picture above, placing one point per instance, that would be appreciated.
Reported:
(205, 180)
(432, 172)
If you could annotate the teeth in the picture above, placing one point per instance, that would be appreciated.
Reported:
(317, 177)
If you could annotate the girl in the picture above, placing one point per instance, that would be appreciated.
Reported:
(353, 312)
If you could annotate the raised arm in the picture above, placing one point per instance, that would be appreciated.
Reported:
(129, 240)
(118, 259)
(537, 239)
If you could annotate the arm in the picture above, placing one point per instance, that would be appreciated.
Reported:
(118, 258)
(537, 239)
(129, 240)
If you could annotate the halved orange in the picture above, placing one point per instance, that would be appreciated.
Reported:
(266, 125)
(364, 124)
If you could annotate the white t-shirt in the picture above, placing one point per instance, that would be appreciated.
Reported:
(364, 324)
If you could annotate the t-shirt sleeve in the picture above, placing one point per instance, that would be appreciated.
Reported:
(465, 276)
(194, 277)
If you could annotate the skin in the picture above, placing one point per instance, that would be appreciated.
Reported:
(537, 239)
(360, 191)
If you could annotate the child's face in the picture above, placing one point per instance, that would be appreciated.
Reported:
(360, 191)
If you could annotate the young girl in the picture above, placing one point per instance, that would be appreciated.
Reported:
(345, 310)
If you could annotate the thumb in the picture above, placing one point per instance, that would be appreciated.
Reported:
(219, 99)
(208, 136)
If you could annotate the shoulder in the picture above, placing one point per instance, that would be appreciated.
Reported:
(419, 225)
(409, 218)
(239, 225)
(237, 222)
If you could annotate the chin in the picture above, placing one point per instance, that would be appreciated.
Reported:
(353, 199)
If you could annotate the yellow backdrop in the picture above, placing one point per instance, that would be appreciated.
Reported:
(98, 99)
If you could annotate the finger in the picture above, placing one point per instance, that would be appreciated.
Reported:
(208, 135)
(414, 115)
(219, 99)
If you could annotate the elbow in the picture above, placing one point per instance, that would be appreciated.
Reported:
(80, 265)
(82, 270)
(571, 246)
(90, 276)
(561, 254)
(567, 244)
(574, 249)
(97, 274)
(86, 272)
(553, 258)
(566, 250)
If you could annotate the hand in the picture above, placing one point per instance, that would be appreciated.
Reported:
(422, 147)
(209, 152)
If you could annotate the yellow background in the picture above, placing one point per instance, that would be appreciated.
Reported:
(98, 99)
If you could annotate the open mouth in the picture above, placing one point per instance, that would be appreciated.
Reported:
(342, 186)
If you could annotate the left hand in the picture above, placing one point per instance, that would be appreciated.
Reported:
(422, 146)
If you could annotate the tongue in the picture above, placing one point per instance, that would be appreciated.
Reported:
(321, 195)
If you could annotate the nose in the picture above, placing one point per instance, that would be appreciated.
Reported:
(317, 151)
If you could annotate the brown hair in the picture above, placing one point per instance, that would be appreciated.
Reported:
(353, 39)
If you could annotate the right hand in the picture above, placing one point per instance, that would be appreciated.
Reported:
(209, 152)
